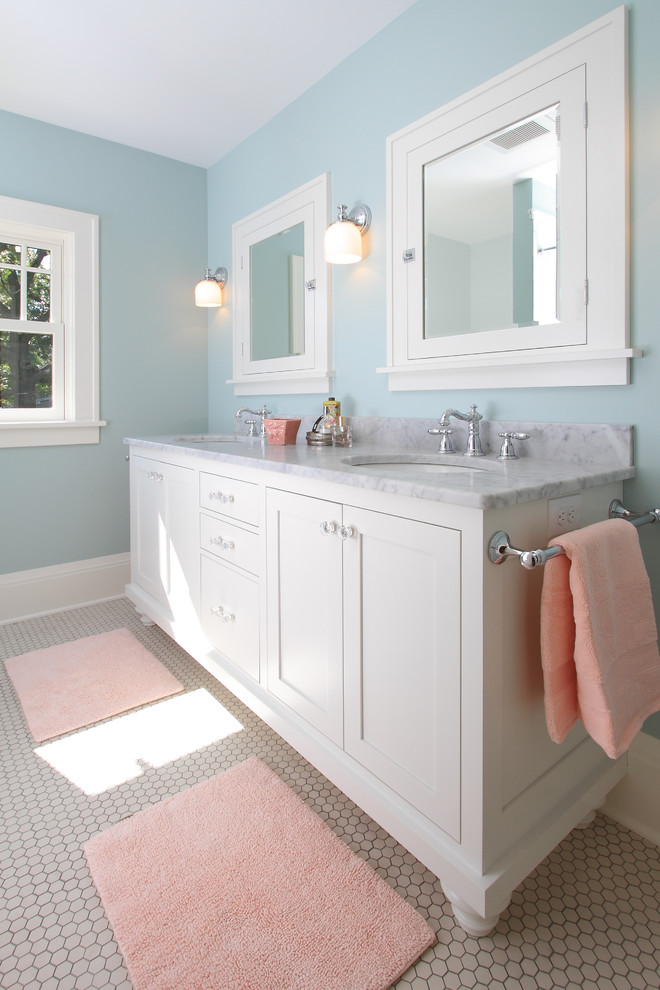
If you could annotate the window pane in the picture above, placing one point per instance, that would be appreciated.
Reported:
(10, 254)
(26, 373)
(38, 296)
(10, 294)
(38, 258)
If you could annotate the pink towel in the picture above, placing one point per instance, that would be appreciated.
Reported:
(598, 636)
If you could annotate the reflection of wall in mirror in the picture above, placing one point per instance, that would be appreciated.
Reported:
(498, 282)
(296, 304)
(276, 312)
(447, 286)
(468, 286)
(546, 268)
(534, 253)
(483, 270)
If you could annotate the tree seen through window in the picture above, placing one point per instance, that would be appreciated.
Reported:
(25, 357)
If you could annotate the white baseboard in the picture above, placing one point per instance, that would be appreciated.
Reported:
(635, 801)
(50, 589)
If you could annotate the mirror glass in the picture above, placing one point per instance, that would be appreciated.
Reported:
(277, 304)
(491, 233)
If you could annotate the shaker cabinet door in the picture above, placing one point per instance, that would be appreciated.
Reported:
(402, 660)
(163, 538)
(304, 574)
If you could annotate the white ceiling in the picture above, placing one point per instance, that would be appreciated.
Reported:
(189, 79)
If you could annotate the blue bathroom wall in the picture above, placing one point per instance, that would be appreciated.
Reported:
(431, 54)
(61, 504)
(64, 504)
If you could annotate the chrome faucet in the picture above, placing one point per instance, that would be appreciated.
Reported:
(263, 413)
(472, 418)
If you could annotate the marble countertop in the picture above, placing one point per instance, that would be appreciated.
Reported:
(482, 482)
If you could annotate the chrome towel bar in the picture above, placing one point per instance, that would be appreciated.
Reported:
(499, 547)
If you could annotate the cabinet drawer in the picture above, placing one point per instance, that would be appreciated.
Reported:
(229, 542)
(238, 499)
(230, 614)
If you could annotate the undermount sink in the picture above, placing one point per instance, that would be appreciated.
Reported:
(412, 464)
(207, 438)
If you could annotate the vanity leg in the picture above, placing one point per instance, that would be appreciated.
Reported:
(144, 619)
(587, 820)
(468, 919)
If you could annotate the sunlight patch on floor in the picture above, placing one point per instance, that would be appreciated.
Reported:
(110, 754)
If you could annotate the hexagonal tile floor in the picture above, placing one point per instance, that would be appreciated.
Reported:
(587, 918)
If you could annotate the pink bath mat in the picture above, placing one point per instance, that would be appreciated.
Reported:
(235, 884)
(66, 687)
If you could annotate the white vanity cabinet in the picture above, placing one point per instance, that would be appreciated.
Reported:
(163, 557)
(370, 629)
(364, 641)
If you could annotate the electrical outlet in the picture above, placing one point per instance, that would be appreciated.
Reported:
(563, 514)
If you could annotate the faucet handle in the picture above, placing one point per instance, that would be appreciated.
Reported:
(507, 453)
(251, 423)
(446, 443)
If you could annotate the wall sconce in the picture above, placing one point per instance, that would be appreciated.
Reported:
(208, 292)
(343, 238)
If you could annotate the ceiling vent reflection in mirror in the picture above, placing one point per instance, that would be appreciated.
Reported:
(519, 135)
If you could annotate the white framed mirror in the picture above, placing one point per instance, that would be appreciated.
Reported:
(282, 340)
(507, 226)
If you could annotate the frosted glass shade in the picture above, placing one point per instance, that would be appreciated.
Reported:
(343, 243)
(208, 293)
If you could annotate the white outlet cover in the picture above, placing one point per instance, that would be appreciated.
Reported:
(563, 514)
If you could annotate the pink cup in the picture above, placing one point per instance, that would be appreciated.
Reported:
(283, 430)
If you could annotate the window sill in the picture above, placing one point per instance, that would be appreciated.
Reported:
(57, 433)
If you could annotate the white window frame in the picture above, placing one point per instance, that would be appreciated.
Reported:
(74, 417)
